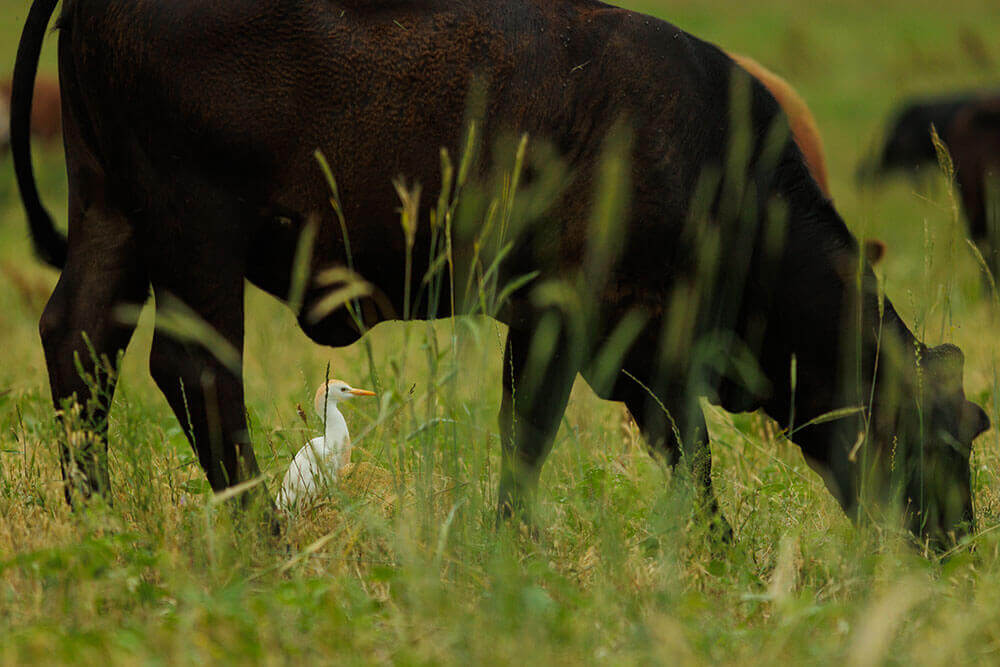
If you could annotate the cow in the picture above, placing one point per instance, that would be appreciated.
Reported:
(713, 265)
(968, 125)
(46, 124)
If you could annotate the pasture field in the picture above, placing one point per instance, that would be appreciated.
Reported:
(403, 563)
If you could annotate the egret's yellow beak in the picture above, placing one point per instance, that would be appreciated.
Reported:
(362, 392)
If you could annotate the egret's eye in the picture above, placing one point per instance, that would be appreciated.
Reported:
(343, 389)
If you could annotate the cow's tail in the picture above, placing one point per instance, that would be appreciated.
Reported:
(49, 243)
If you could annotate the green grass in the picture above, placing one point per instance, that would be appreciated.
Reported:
(403, 564)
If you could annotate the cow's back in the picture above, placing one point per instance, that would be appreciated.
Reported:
(382, 85)
(241, 95)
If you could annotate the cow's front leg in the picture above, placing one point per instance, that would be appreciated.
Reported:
(674, 428)
(202, 381)
(197, 357)
(538, 373)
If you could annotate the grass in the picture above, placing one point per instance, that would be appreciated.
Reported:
(403, 563)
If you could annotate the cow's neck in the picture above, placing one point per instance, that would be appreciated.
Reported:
(828, 318)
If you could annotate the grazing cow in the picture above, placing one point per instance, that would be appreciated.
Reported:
(715, 268)
(46, 113)
(969, 126)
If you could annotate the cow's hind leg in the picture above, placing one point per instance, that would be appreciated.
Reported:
(674, 428)
(197, 271)
(538, 372)
(83, 333)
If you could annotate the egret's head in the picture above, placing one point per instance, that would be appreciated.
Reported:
(335, 391)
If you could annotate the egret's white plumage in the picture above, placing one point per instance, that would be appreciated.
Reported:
(319, 461)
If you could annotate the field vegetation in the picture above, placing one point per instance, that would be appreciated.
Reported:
(403, 562)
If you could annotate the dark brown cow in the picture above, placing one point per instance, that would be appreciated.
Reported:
(190, 130)
(46, 114)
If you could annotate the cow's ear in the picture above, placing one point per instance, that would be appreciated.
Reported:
(874, 251)
(973, 422)
(944, 365)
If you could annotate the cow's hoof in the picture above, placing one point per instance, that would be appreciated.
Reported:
(276, 525)
(518, 520)
(721, 530)
(719, 535)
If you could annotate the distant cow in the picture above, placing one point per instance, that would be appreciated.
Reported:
(969, 126)
(46, 112)
(722, 270)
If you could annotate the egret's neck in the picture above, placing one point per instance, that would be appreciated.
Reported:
(335, 427)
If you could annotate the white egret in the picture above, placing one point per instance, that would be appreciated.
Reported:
(319, 461)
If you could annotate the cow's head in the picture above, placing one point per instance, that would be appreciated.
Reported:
(925, 434)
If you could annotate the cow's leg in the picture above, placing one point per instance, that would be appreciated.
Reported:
(674, 428)
(197, 275)
(203, 383)
(538, 375)
(82, 335)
